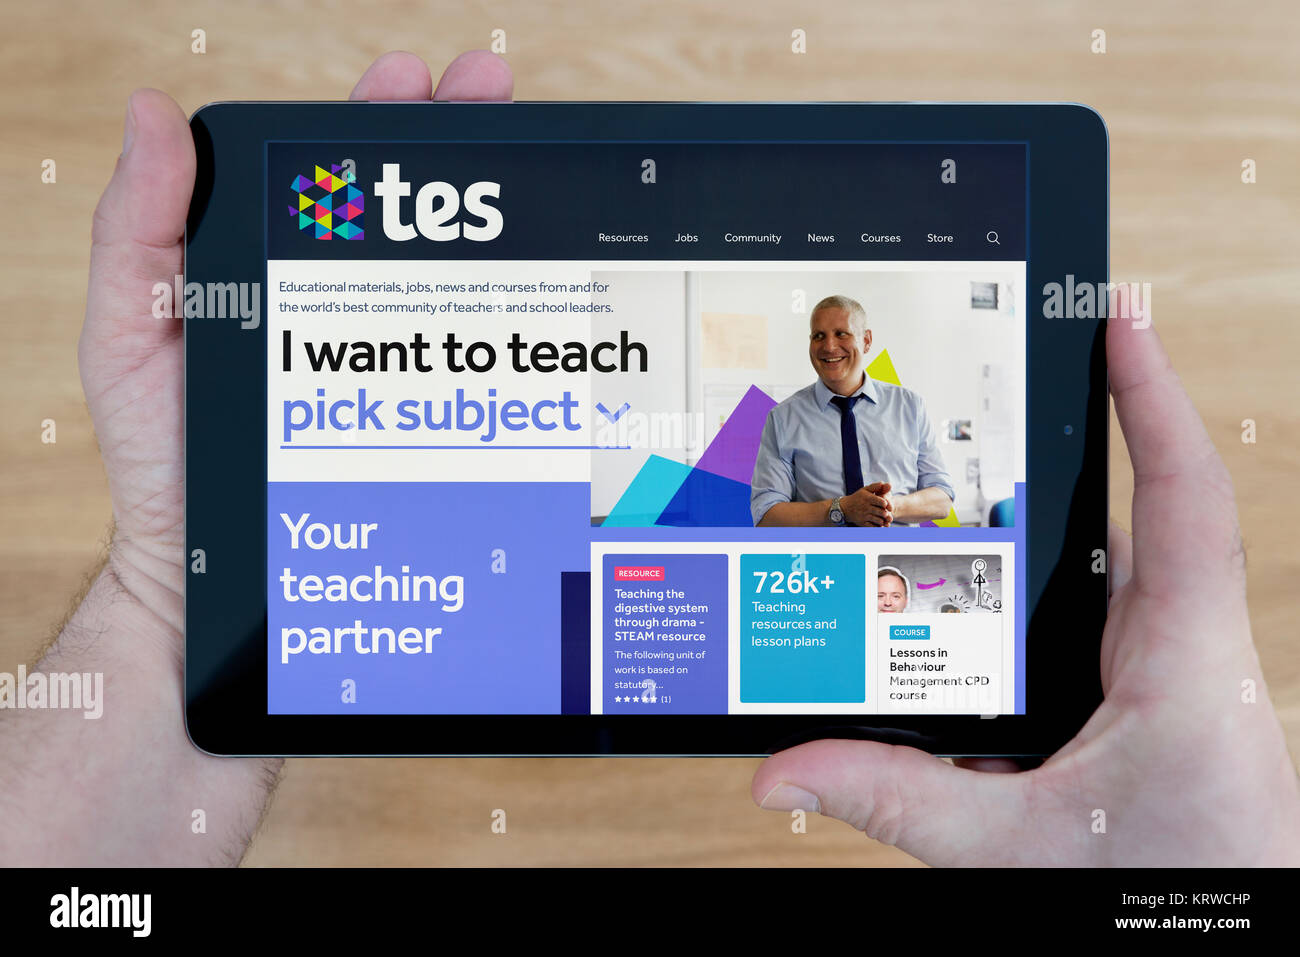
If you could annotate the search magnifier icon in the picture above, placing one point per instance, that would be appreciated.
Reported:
(993, 238)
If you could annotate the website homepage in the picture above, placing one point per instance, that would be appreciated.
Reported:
(646, 429)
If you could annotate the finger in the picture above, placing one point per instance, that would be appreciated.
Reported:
(942, 814)
(1175, 467)
(476, 75)
(1164, 432)
(136, 239)
(394, 76)
(1120, 556)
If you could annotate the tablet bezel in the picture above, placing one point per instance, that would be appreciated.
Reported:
(225, 431)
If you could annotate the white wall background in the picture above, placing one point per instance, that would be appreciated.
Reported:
(651, 306)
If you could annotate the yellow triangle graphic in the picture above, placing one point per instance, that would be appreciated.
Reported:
(303, 202)
(882, 369)
(949, 520)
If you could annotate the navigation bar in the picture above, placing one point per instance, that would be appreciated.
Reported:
(667, 201)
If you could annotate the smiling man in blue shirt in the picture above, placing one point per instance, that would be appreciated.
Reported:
(848, 450)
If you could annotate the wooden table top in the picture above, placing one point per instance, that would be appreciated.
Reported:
(1189, 90)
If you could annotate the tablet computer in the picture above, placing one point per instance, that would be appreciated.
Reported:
(644, 428)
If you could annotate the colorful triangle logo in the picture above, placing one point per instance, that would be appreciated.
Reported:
(325, 216)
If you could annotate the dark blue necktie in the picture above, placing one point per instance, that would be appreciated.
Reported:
(849, 443)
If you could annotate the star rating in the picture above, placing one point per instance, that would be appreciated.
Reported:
(629, 699)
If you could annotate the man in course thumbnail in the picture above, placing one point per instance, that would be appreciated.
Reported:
(892, 590)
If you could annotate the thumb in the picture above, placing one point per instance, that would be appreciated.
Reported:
(941, 814)
(137, 237)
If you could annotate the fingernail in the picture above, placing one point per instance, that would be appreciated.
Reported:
(129, 133)
(789, 797)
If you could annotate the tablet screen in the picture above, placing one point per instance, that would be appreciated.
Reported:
(646, 428)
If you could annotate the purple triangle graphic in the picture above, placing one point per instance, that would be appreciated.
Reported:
(733, 450)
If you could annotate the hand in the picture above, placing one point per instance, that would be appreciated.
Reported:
(131, 363)
(1186, 772)
(869, 505)
(118, 790)
(892, 499)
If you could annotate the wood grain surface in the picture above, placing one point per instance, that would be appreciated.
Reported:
(1189, 90)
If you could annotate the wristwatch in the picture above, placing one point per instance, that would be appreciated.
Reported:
(837, 514)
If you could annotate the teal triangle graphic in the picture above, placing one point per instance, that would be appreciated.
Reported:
(648, 494)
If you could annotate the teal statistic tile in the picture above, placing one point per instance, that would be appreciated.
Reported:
(802, 628)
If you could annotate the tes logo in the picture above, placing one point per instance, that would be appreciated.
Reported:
(437, 206)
